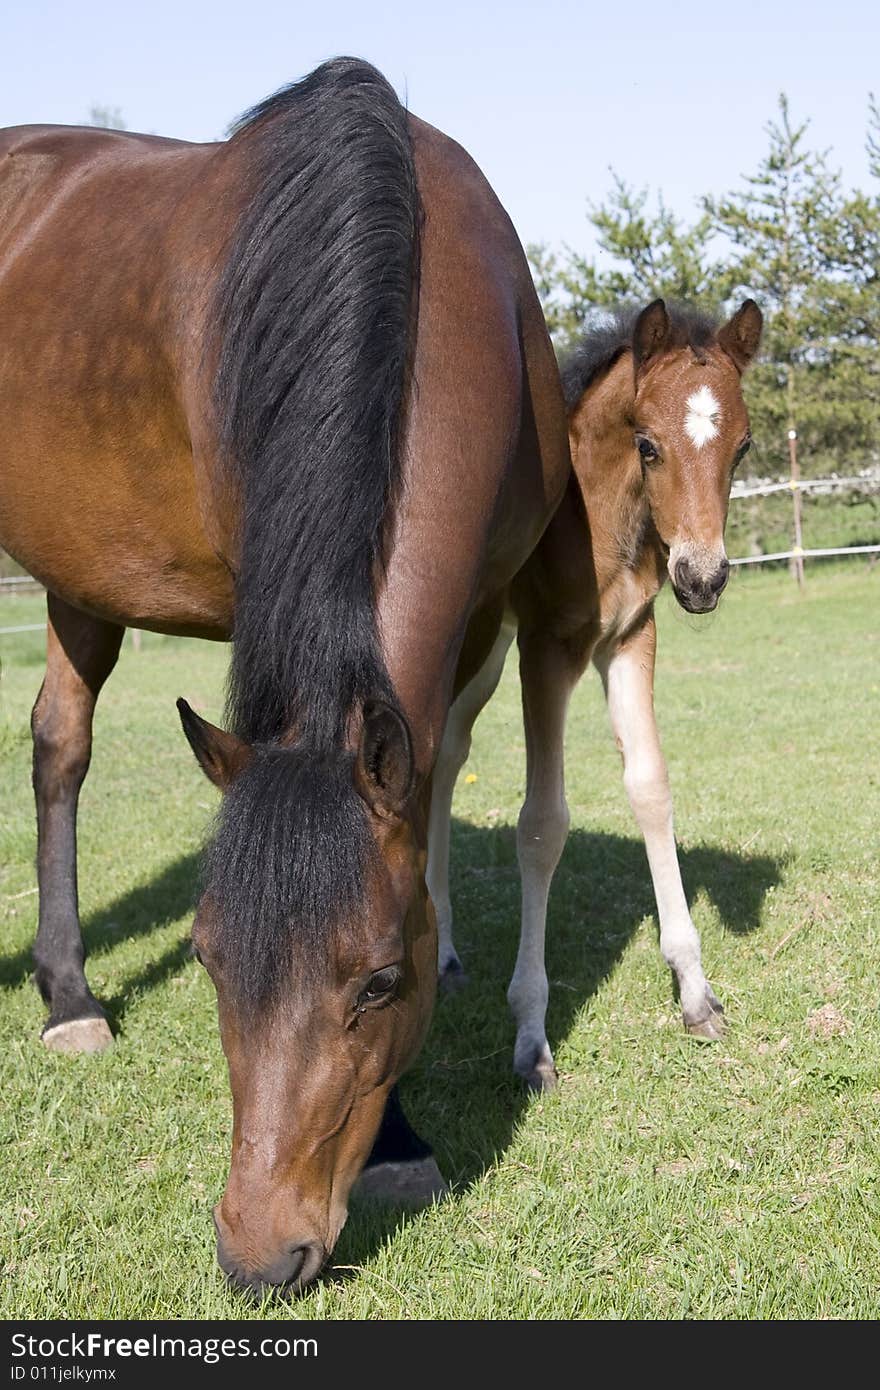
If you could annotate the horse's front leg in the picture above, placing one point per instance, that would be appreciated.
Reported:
(82, 652)
(453, 754)
(548, 677)
(628, 676)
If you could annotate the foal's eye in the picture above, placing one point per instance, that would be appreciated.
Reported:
(742, 450)
(380, 987)
(648, 452)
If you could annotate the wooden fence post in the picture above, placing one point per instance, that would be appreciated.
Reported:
(798, 559)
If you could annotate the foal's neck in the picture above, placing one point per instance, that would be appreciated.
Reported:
(609, 473)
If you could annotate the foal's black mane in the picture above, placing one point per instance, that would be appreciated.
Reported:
(314, 312)
(601, 346)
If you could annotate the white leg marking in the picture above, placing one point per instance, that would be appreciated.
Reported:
(540, 839)
(453, 754)
(628, 678)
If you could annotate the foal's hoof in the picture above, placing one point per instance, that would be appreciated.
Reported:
(710, 1029)
(415, 1183)
(452, 977)
(543, 1079)
(712, 1025)
(538, 1071)
(78, 1035)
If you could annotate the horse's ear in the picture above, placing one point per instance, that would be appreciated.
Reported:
(222, 756)
(740, 337)
(385, 766)
(650, 333)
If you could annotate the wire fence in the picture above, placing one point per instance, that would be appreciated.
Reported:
(867, 482)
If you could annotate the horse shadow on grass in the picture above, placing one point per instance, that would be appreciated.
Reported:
(165, 898)
(462, 1095)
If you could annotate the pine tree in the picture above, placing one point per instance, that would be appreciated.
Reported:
(849, 295)
(652, 254)
(777, 225)
(107, 117)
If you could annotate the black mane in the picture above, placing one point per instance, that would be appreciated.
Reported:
(289, 862)
(315, 311)
(601, 346)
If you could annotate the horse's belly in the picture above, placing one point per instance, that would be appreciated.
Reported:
(124, 543)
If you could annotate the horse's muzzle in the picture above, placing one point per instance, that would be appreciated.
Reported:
(289, 1270)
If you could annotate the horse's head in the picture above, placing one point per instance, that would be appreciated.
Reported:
(316, 929)
(691, 430)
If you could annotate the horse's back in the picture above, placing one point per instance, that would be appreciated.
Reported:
(99, 283)
(37, 161)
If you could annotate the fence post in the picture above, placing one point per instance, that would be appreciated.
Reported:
(796, 499)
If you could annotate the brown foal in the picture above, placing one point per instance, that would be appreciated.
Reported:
(657, 425)
(294, 388)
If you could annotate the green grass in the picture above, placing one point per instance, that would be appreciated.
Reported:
(664, 1178)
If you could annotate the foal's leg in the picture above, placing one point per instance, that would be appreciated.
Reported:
(82, 652)
(453, 754)
(628, 676)
(548, 676)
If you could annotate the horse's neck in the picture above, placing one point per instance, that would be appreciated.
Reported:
(609, 474)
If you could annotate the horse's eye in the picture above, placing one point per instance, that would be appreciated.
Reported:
(380, 987)
(648, 452)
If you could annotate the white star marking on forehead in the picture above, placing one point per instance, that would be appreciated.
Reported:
(703, 415)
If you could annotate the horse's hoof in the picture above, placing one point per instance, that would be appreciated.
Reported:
(414, 1183)
(452, 977)
(79, 1035)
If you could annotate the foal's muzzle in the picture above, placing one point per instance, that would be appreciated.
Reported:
(698, 592)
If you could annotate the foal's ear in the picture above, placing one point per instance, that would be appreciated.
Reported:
(740, 337)
(385, 766)
(650, 333)
(222, 756)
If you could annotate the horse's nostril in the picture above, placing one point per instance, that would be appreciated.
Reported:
(719, 578)
(683, 575)
(288, 1270)
(297, 1265)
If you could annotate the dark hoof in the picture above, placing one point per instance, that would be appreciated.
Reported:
(452, 977)
(413, 1183)
(78, 1035)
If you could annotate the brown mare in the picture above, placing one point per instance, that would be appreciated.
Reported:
(657, 425)
(294, 388)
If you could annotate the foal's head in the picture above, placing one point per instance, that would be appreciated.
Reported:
(691, 429)
(316, 929)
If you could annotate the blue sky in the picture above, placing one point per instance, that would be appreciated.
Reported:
(545, 95)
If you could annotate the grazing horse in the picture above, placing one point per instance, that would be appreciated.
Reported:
(296, 389)
(657, 425)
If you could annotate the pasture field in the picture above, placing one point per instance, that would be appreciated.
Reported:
(665, 1178)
